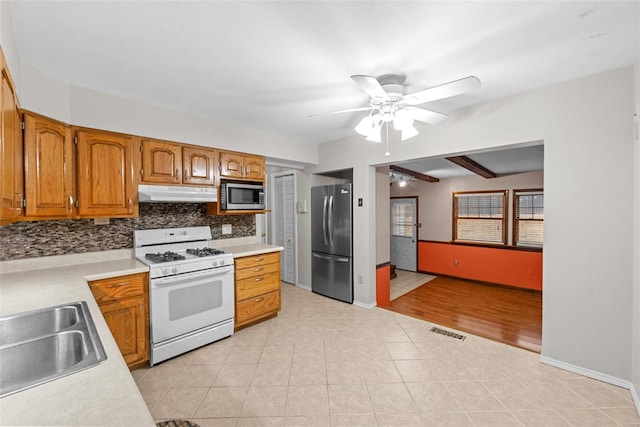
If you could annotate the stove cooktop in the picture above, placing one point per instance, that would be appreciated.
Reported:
(164, 256)
(202, 252)
(182, 255)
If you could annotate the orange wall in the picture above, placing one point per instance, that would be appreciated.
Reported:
(382, 286)
(518, 268)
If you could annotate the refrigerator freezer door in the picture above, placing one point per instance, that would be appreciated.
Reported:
(332, 276)
(331, 208)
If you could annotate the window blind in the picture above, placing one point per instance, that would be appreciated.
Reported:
(480, 217)
(528, 217)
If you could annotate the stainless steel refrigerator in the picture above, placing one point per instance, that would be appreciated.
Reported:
(332, 242)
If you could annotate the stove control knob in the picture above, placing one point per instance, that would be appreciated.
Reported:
(214, 263)
(174, 270)
(222, 262)
(165, 271)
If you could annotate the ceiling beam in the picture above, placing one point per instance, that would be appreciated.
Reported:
(416, 175)
(473, 166)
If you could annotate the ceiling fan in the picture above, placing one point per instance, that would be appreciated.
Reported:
(389, 103)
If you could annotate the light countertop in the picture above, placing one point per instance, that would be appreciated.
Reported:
(250, 249)
(105, 394)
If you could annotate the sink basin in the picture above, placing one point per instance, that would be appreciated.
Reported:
(42, 345)
(18, 328)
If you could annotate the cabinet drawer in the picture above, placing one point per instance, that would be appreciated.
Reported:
(115, 288)
(262, 259)
(257, 270)
(254, 286)
(255, 308)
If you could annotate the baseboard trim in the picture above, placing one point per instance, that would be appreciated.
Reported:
(364, 305)
(587, 373)
(300, 285)
(636, 397)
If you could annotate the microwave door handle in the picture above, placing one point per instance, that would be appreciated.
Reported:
(324, 220)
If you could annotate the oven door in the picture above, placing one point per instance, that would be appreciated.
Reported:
(187, 302)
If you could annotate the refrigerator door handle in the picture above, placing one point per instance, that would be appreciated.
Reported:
(324, 220)
(331, 220)
(330, 258)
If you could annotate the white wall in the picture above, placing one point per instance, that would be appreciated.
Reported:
(8, 44)
(383, 215)
(635, 337)
(586, 126)
(435, 199)
(41, 93)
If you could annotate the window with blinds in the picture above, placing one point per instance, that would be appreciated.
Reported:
(480, 217)
(528, 217)
(401, 219)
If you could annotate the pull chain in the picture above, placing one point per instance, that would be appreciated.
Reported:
(387, 153)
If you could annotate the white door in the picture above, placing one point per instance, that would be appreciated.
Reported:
(283, 212)
(404, 234)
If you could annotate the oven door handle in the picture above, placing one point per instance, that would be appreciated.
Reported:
(179, 278)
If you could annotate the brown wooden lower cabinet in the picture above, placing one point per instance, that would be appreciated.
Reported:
(257, 288)
(124, 303)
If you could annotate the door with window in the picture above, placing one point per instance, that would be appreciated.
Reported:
(404, 233)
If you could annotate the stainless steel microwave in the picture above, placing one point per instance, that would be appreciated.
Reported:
(237, 196)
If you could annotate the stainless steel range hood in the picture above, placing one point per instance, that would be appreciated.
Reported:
(165, 193)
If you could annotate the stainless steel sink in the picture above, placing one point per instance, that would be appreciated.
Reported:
(41, 345)
(22, 327)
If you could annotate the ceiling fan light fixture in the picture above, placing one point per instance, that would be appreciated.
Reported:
(365, 126)
(409, 132)
(402, 120)
(375, 134)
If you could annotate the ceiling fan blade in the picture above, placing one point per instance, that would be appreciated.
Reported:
(426, 116)
(342, 111)
(371, 86)
(446, 90)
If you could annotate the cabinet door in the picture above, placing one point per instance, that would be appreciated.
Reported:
(49, 167)
(11, 166)
(126, 320)
(198, 165)
(105, 175)
(254, 167)
(161, 162)
(231, 165)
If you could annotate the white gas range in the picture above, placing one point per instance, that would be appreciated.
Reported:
(191, 289)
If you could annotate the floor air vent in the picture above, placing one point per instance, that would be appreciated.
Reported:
(448, 333)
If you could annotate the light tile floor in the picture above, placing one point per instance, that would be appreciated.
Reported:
(325, 363)
(406, 281)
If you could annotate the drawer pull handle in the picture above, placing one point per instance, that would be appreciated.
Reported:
(116, 285)
(258, 269)
(258, 259)
(259, 279)
(258, 299)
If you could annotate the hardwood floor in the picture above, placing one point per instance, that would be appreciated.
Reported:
(509, 315)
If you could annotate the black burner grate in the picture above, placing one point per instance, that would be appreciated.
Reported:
(204, 252)
(164, 257)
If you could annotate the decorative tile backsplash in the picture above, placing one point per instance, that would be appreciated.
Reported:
(32, 239)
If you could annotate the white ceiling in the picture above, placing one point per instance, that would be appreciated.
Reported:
(270, 64)
(500, 162)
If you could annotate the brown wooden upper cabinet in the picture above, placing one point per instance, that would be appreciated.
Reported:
(49, 168)
(161, 161)
(198, 164)
(105, 175)
(11, 165)
(241, 166)
(166, 162)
